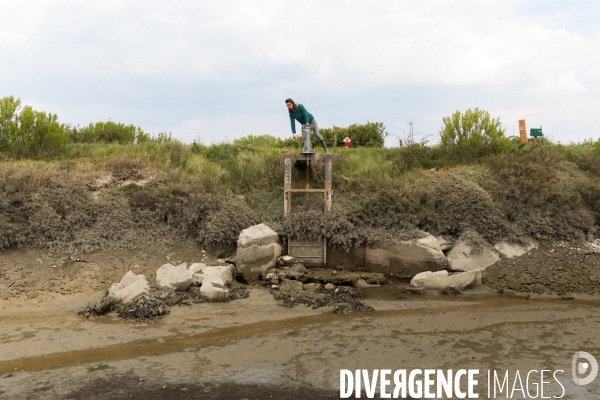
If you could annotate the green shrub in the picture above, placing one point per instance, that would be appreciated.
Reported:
(473, 134)
(252, 141)
(371, 134)
(26, 132)
(107, 132)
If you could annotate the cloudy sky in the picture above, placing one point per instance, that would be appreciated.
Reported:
(216, 70)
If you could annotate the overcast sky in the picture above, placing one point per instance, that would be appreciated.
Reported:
(217, 70)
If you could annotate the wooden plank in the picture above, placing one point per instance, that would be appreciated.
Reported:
(306, 242)
(310, 252)
(303, 252)
(306, 191)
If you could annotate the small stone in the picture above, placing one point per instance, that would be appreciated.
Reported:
(284, 261)
(329, 287)
(311, 287)
(288, 285)
(362, 283)
(297, 271)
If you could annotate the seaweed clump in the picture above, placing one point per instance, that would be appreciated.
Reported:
(147, 307)
(344, 299)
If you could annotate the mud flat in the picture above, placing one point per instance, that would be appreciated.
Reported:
(254, 348)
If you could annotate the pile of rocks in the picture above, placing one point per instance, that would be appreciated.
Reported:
(466, 263)
(135, 299)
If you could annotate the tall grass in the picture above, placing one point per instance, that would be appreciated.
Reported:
(207, 192)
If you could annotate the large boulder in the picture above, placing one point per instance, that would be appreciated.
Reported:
(175, 277)
(512, 250)
(441, 280)
(129, 288)
(214, 282)
(462, 257)
(196, 269)
(214, 290)
(223, 272)
(257, 250)
(405, 258)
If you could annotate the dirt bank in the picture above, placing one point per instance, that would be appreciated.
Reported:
(561, 269)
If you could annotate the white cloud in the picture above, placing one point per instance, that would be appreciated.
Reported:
(215, 61)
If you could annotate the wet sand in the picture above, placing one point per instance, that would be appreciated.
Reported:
(254, 348)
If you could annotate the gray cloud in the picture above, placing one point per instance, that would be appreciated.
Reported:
(220, 70)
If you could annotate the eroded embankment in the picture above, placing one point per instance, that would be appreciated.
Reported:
(562, 269)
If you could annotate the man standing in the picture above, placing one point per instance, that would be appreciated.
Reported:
(299, 113)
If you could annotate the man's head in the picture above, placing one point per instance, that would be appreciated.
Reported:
(291, 105)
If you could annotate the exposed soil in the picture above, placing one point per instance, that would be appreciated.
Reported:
(27, 274)
(253, 348)
(562, 269)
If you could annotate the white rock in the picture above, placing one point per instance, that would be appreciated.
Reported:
(461, 258)
(214, 290)
(175, 277)
(224, 273)
(440, 280)
(512, 250)
(286, 261)
(257, 235)
(197, 267)
(201, 270)
(129, 288)
(215, 280)
(258, 249)
(444, 244)
(130, 278)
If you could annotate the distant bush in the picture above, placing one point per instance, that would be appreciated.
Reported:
(26, 132)
(472, 134)
(264, 141)
(107, 132)
(371, 134)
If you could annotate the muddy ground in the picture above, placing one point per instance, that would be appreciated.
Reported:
(253, 348)
(560, 269)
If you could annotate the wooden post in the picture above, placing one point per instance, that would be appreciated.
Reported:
(324, 251)
(328, 180)
(287, 185)
(307, 181)
(334, 137)
(523, 131)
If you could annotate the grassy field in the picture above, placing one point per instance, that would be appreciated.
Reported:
(207, 194)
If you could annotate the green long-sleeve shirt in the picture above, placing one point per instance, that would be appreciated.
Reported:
(301, 115)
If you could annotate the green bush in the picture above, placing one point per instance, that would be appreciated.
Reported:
(107, 132)
(26, 132)
(252, 141)
(473, 134)
(371, 134)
